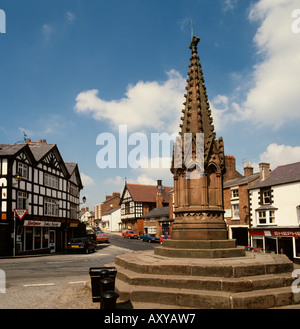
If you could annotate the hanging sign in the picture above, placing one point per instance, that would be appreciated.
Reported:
(20, 213)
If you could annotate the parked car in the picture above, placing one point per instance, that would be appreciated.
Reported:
(101, 237)
(82, 244)
(130, 234)
(253, 249)
(149, 238)
(164, 237)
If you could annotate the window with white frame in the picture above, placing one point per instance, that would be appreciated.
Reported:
(22, 200)
(23, 170)
(50, 207)
(73, 211)
(266, 217)
(262, 217)
(50, 180)
(267, 197)
(235, 211)
(235, 193)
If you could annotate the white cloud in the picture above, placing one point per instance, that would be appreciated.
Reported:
(274, 97)
(229, 5)
(115, 181)
(86, 180)
(278, 155)
(154, 105)
(47, 31)
(70, 17)
(143, 179)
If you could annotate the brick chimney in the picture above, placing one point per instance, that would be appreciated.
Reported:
(40, 142)
(230, 166)
(264, 170)
(248, 170)
(159, 200)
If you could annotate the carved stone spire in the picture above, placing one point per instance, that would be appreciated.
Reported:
(198, 200)
(197, 114)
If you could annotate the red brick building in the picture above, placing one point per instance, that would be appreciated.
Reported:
(236, 199)
(137, 200)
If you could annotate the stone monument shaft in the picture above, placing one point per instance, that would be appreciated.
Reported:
(198, 195)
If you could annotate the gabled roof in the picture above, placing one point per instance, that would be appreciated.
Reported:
(281, 175)
(39, 151)
(147, 193)
(72, 167)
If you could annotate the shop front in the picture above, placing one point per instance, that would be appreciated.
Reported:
(277, 240)
(36, 236)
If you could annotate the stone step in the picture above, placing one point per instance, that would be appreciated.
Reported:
(203, 299)
(206, 283)
(200, 253)
(250, 265)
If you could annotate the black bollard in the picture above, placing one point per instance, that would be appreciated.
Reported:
(109, 300)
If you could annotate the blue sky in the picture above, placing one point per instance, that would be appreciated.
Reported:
(73, 69)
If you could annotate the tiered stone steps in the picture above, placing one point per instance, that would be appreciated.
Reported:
(254, 281)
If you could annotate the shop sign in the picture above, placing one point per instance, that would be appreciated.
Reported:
(278, 233)
(41, 223)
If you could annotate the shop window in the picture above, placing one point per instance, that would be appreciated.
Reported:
(29, 238)
(37, 238)
(258, 242)
(270, 244)
(297, 242)
(45, 238)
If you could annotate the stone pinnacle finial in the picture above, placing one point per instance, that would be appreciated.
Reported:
(194, 44)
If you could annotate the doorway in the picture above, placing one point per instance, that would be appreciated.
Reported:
(285, 246)
(52, 241)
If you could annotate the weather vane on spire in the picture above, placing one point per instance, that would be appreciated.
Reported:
(192, 30)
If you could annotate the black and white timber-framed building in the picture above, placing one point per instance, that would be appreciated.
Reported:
(33, 176)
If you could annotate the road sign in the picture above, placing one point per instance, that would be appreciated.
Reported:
(20, 213)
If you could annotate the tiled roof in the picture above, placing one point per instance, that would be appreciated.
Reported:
(10, 149)
(110, 211)
(281, 175)
(147, 193)
(241, 180)
(158, 212)
(39, 151)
